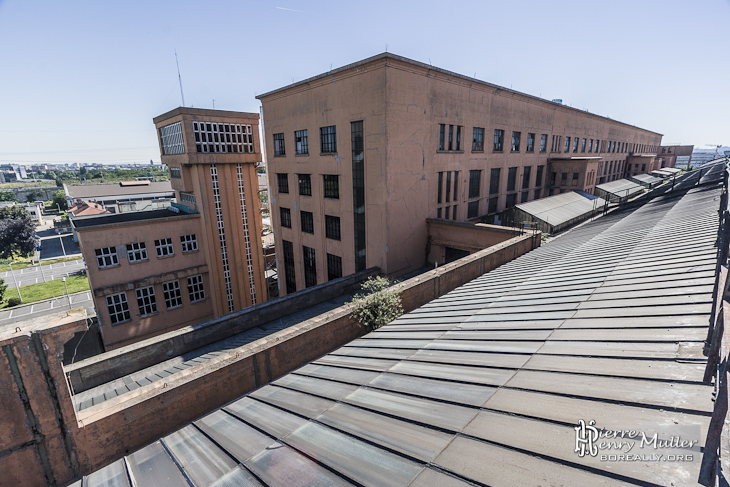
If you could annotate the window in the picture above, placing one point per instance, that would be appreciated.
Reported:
(279, 145)
(146, 300)
(442, 136)
(310, 267)
(472, 210)
(439, 193)
(516, 141)
(305, 185)
(458, 137)
(537, 193)
(164, 247)
(107, 257)
(223, 137)
(494, 181)
(526, 176)
(590, 145)
(493, 205)
(453, 214)
(328, 136)
(172, 139)
(118, 308)
(553, 177)
(567, 145)
(189, 243)
(301, 142)
(477, 142)
(283, 180)
(136, 252)
(451, 137)
(643, 168)
(576, 141)
(307, 221)
(358, 192)
(530, 142)
(438, 213)
(511, 178)
(175, 172)
(538, 176)
(498, 139)
(448, 186)
(583, 145)
(563, 179)
(173, 296)
(575, 178)
(285, 214)
(596, 145)
(187, 197)
(331, 186)
(525, 196)
(511, 200)
(543, 142)
(195, 288)
(474, 180)
(332, 227)
(291, 282)
(334, 267)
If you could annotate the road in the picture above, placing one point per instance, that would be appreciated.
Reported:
(40, 308)
(34, 275)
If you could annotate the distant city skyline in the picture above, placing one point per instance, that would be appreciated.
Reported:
(83, 80)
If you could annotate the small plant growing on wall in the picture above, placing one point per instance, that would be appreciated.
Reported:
(378, 304)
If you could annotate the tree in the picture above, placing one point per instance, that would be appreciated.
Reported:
(31, 196)
(379, 305)
(3, 287)
(59, 198)
(14, 213)
(17, 237)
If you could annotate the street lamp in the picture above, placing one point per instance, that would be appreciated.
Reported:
(67, 296)
(17, 288)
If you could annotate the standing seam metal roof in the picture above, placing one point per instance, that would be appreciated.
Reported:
(485, 385)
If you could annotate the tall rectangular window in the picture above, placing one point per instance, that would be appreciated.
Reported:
(307, 221)
(477, 142)
(451, 137)
(118, 308)
(328, 136)
(498, 139)
(597, 145)
(172, 294)
(590, 145)
(563, 179)
(290, 277)
(475, 177)
(106, 257)
(516, 141)
(537, 193)
(195, 288)
(567, 144)
(493, 205)
(458, 137)
(310, 267)
(334, 267)
(172, 139)
(511, 200)
(358, 192)
(543, 142)
(538, 176)
(526, 177)
(530, 142)
(285, 214)
(301, 142)
(448, 186)
(583, 145)
(442, 136)
(553, 178)
(279, 145)
(511, 178)
(575, 178)
(331, 186)
(441, 187)
(525, 196)
(494, 181)
(305, 185)
(576, 141)
(332, 227)
(283, 180)
(146, 300)
(472, 210)
(175, 172)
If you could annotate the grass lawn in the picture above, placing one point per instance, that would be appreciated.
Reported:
(23, 265)
(45, 290)
(37, 184)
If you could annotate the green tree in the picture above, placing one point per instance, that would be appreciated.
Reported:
(3, 287)
(17, 237)
(8, 196)
(378, 305)
(31, 196)
(14, 213)
(59, 198)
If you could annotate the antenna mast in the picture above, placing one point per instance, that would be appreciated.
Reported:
(179, 78)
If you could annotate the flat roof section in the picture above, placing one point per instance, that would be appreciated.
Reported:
(486, 384)
(132, 216)
(86, 191)
(560, 208)
(621, 187)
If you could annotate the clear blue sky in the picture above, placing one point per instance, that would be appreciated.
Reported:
(80, 81)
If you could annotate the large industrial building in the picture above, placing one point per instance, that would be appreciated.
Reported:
(154, 271)
(359, 157)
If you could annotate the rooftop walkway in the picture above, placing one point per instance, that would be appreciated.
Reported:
(486, 385)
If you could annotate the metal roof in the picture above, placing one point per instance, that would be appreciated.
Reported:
(86, 191)
(561, 207)
(621, 187)
(671, 169)
(132, 216)
(646, 178)
(486, 384)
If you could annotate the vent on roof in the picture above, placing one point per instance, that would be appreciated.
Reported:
(558, 100)
(144, 182)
